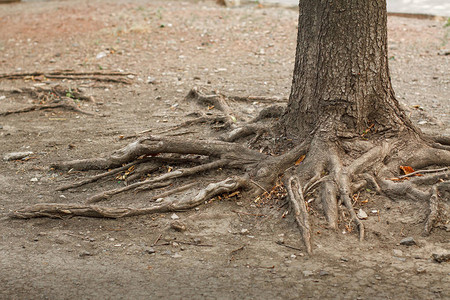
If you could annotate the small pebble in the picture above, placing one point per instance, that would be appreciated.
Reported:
(307, 273)
(150, 250)
(409, 241)
(441, 257)
(85, 253)
(244, 231)
(362, 215)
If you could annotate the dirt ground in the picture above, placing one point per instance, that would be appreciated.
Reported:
(229, 249)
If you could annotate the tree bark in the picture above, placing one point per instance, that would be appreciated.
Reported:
(341, 76)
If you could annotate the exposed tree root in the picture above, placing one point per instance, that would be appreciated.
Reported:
(118, 77)
(300, 212)
(57, 97)
(69, 210)
(330, 168)
(212, 101)
(101, 176)
(65, 106)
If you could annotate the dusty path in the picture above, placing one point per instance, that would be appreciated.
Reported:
(229, 250)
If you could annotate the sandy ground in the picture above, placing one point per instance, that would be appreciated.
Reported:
(229, 250)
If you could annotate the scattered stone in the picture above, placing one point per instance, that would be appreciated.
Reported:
(421, 270)
(323, 273)
(197, 240)
(293, 256)
(244, 231)
(3, 97)
(441, 257)
(159, 200)
(308, 273)
(34, 179)
(197, 209)
(397, 252)
(175, 244)
(16, 155)
(100, 55)
(178, 226)
(176, 255)
(444, 52)
(167, 252)
(150, 250)
(85, 253)
(409, 241)
(362, 215)
(344, 259)
(174, 217)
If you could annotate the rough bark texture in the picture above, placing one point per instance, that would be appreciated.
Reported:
(341, 69)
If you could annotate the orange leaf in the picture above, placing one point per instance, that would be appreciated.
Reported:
(407, 170)
(300, 160)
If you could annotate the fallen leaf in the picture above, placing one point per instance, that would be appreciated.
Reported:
(300, 160)
(407, 169)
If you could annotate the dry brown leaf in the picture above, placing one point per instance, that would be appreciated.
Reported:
(407, 169)
(300, 160)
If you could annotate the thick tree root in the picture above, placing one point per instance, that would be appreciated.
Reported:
(300, 212)
(321, 166)
(70, 210)
(217, 101)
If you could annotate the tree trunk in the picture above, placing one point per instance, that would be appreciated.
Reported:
(341, 77)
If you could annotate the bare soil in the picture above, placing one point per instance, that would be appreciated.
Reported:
(229, 249)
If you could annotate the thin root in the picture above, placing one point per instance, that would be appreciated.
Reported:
(160, 181)
(46, 106)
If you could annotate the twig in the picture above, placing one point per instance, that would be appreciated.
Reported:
(249, 214)
(258, 185)
(194, 244)
(157, 239)
(237, 250)
(423, 171)
(287, 246)
(173, 191)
